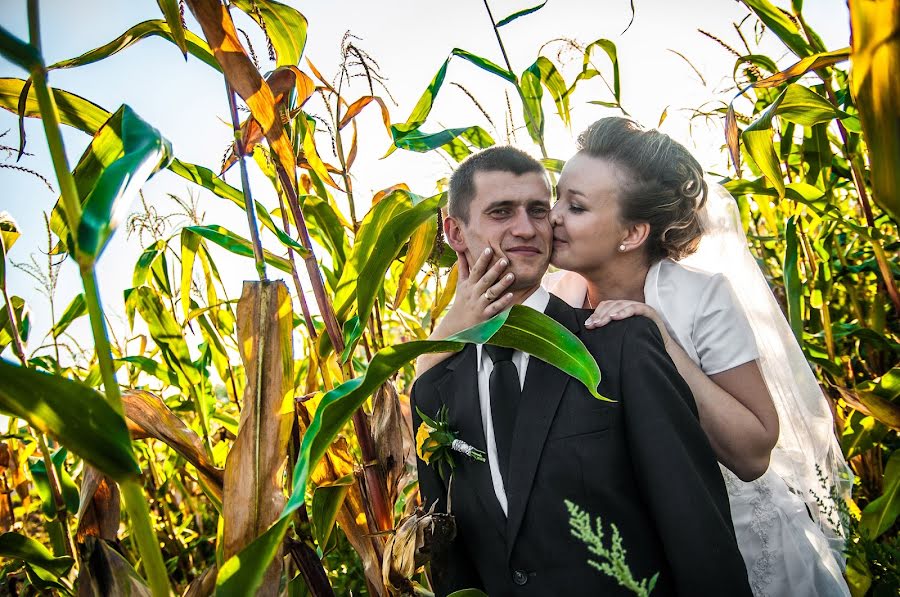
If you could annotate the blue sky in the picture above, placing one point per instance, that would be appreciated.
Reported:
(409, 39)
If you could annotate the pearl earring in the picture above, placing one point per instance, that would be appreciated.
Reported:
(621, 248)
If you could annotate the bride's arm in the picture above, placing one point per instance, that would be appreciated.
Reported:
(470, 305)
(735, 407)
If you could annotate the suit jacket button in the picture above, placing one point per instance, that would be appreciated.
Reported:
(519, 577)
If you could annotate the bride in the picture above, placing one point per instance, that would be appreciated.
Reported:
(632, 206)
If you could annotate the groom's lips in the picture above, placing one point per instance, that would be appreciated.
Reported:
(524, 250)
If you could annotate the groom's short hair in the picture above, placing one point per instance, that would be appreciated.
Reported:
(500, 158)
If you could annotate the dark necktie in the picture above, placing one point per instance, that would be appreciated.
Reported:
(505, 393)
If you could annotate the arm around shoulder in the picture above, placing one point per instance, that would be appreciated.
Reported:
(676, 469)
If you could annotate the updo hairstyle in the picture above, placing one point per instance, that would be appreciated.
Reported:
(663, 184)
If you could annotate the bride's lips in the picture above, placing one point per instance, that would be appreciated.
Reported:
(558, 242)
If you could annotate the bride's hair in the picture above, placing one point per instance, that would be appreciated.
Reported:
(664, 183)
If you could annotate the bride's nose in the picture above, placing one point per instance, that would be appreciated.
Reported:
(556, 215)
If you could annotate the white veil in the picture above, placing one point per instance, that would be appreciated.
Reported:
(808, 456)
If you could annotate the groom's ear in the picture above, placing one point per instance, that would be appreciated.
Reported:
(454, 234)
(636, 235)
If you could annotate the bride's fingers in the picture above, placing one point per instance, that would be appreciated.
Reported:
(501, 304)
(601, 315)
(477, 269)
(489, 278)
(496, 291)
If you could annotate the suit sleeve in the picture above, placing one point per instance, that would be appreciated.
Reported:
(676, 470)
(451, 567)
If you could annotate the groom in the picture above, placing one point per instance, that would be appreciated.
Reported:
(641, 463)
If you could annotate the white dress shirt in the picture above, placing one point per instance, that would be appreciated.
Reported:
(538, 301)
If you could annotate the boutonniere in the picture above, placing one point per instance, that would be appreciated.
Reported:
(436, 442)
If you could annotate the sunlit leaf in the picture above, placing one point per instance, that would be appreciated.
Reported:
(283, 25)
(814, 62)
(77, 415)
(242, 76)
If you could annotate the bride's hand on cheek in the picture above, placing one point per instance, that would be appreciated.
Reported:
(607, 311)
(481, 291)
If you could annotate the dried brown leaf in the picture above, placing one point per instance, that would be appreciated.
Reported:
(732, 139)
(393, 437)
(100, 507)
(254, 496)
(148, 416)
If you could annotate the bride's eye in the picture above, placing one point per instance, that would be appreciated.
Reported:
(575, 208)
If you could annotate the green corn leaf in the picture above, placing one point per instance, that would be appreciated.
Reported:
(521, 13)
(76, 309)
(145, 151)
(283, 25)
(20, 547)
(325, 226)
(242, 574)
(19, 52)
(75, 414)
(68, 489)
(526, 329)
(207, 179)
(533, 111)
(796, 104)
(880, 514)
(23, 318)
(190, 244)
(814, 62)
(422, 109)
(146, 261)
(326, 502)
(167, 335)
(589, 70)
(391, 239)
(780, 25)
(236, 244)
(792, 284)
(151, 367)
(188, 42)
(74, 110)
(543, 73)
(172, 12)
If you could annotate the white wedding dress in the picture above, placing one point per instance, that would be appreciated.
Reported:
(787, 553)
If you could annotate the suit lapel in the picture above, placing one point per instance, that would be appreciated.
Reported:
(541, 394)
(459, 391)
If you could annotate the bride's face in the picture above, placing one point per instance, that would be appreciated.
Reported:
(587, 230)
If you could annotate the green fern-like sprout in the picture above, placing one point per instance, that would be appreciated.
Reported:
(612, 562)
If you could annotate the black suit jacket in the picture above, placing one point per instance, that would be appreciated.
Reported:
(642, 463)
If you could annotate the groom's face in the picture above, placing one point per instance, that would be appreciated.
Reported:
(510, 214)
